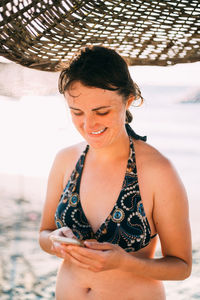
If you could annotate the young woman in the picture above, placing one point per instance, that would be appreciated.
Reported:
(114, 193)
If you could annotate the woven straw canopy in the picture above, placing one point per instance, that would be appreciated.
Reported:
(40, 34)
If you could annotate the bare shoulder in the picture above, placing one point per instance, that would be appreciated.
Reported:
(65, 161)
(70, 154)
(157, 169)
(150, 157)
(159, 172)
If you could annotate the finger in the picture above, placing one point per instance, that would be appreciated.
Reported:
(95, 259)
(78, 261)
(90, 240)
(66, 231)
(60, 253)
(84, 265)
(81, 265)
(80, 252)
(59, 250)
(99, 246)
(65, 228)
(55, 246)
(92, 254)
(82, 259)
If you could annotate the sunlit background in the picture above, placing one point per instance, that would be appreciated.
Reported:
(35, 124)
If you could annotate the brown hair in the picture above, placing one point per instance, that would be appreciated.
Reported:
(100, 67)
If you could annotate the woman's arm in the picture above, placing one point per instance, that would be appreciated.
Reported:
(54, 190)
(171, 218)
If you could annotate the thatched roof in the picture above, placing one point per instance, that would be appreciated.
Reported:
(40, 34)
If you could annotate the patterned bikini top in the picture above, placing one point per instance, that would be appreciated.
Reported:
(126, 225)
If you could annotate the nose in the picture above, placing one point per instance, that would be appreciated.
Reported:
(89, 123)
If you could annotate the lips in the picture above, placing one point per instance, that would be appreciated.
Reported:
(98, 132)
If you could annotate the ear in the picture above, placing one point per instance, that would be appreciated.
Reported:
(129, 101)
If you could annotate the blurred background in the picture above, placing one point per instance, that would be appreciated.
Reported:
(35, 124)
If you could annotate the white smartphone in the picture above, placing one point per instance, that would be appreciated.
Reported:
(65, 240)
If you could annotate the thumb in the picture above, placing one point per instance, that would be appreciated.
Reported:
(66, 231)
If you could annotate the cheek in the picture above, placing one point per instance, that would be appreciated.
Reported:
(114, 119)
(119, 117)
(77, 121)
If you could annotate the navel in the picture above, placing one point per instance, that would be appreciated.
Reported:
(88, 290)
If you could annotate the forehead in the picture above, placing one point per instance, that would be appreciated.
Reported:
(80, 95)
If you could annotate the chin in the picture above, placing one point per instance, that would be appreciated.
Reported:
(96, 145)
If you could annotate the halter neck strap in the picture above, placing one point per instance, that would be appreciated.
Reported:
(134, 135)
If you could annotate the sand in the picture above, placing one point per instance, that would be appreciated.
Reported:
(26, 272)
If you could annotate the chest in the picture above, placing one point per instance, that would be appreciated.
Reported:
(100, 187)
(96, 206)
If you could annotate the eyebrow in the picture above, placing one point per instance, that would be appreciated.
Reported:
(94, 109)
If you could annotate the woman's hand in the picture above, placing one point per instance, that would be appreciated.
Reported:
(96, 256)
(58, 248)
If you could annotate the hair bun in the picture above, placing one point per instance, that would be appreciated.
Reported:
(129, 116)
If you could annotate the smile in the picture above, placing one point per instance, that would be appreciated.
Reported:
(98, 132)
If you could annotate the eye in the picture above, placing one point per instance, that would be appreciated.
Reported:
(102, 113)
(77, 113)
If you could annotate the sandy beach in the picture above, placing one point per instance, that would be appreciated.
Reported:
(26, 272)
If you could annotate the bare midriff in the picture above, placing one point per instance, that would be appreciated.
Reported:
(77, 283)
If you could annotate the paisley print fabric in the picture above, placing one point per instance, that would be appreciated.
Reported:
(126, 225)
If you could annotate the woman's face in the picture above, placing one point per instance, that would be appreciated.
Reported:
(98, 114)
